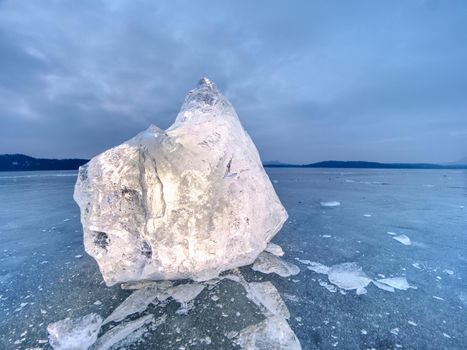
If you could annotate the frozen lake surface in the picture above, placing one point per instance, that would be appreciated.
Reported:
(391, 223)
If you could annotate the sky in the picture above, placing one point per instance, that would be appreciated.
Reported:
(310, 80)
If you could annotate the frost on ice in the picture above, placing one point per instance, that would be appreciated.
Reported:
(74, 334)
(269, 263)
(188, 202)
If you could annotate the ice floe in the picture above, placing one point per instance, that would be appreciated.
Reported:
(405, 240)
(330, 204)
(269, 263)
(272, 333)
(274, 249)
(74, 334)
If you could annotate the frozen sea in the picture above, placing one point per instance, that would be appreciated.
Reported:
(45, 275)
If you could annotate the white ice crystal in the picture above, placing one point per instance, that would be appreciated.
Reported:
(188, 202)
(74, 334)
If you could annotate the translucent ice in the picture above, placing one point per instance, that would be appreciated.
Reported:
(348, 276)
(330, 204)
(268, 263)
(74, 334)
(403, 239)
(396, 282)
(188, 202)
(120, 332)
(273, 333)
(266, 294)
(274, 249)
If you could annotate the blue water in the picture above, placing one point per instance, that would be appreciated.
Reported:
(43, 278)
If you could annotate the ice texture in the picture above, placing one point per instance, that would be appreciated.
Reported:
(137, 302)
(405, 240)
(330, 204)
(266, 294)
(349, 276)
(120, 332)
(274, 249)
(273, 333)
(74, 334)
(269, 263)
(188, 202)
(396, 282)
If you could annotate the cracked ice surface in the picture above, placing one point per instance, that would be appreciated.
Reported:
(74, 334)
(188, 202)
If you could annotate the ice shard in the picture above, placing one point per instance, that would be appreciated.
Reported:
(188, 202)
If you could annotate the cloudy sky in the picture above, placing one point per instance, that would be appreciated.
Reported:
(310, 80)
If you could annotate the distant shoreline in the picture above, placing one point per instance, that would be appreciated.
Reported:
(21, 162)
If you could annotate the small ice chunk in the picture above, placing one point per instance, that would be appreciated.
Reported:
(330, 204)
(437, 298)
(272, 333)
(184, 293)
(274, 249)
(395, 331)
(348, 276)
(412, 323)
(328, 286)
(120, 332)
(314, 266)
(417, 265)
(403, 239)
(145, 283)
(449, 272)
(137, 302)
(326, 236)
(391, 233)
(97, 303)
(367, 215)
(268, 263)
(383, 286)
(79, 256)
(318, 267)
(447, 335)
(74, 334)
(396, 282)
(266, 294)
(364, 331)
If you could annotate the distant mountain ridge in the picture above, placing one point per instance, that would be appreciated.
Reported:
(21, 162)
(367, 165)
